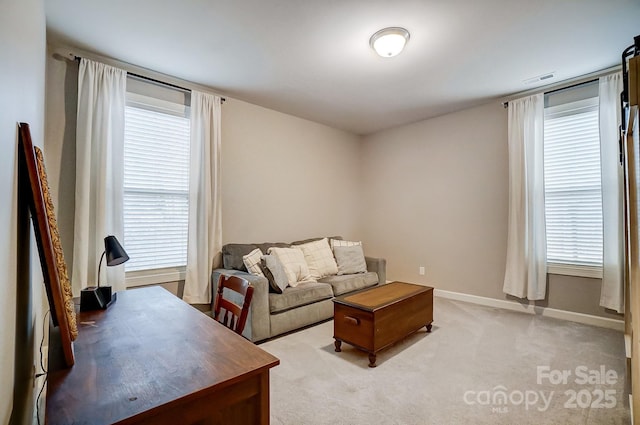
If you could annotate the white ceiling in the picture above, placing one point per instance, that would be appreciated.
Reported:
(311, 58)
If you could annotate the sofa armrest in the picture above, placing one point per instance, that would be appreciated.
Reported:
(378, 265)
(259, 321)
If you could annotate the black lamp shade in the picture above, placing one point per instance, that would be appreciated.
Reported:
(115, 252)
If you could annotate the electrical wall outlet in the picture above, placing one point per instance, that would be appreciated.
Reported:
(421, 271)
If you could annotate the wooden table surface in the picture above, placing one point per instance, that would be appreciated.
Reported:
(148, 353)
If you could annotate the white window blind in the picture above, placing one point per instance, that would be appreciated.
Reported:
(156, 184)
(573, 193)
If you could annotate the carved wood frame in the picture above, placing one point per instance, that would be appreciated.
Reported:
(54, 269)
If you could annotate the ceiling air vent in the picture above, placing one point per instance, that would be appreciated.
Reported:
(540, 78)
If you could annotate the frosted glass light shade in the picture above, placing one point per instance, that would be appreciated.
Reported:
(389, 42)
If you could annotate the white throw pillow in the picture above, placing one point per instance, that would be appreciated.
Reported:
(340, 242)
(319, 258)
(292, 260)
(252, 262)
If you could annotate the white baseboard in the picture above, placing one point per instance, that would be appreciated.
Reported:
(587, 319)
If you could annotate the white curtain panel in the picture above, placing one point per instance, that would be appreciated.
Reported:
(99, 172)
(526, 268)
(612, 293)
(205, 213)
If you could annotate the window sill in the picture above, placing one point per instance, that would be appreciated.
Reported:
(575, 270)
(155, 276)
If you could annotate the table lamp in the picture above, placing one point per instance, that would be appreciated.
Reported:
(99, 297)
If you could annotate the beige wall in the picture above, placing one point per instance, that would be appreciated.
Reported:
(436, 195)
(286, 178)
(22, 49)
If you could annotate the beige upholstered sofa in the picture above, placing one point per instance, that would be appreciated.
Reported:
(273, 314)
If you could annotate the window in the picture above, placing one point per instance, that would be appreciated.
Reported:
(573, 192)
(156, 189)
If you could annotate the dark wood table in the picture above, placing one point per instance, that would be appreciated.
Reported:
(376, 318)
(152, 358)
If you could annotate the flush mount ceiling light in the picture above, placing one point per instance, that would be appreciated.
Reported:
(389, 42)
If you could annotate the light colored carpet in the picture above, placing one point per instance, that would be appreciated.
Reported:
(451, 375)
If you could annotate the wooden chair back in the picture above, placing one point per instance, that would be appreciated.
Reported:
(235, 315)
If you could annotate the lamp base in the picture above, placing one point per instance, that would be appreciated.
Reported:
(96, 298)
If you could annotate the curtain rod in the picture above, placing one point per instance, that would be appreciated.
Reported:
(567, 84)
(506, 104)
(154, 80)
(164, 83)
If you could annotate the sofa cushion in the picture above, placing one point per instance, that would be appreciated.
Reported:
(303, 294)
(294, 265)
(232, 254)
(319, 258)
(350, 282)
(350, 259)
